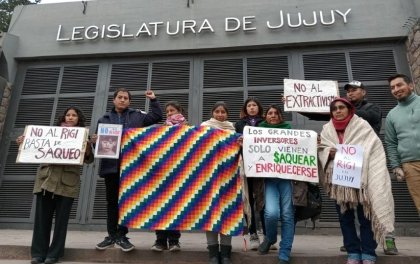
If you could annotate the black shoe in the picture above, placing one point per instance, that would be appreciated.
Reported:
(107, 243)
(343, 249)
(37, 260)
(225, 253)
(264, 247)
(159, 246)
(124, 244)
(214, 254)
(51, 261)
(174, 246)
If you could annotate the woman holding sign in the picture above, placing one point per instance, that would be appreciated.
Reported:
(56, 187)
(252, 115)
(278, 200)
(372, 198)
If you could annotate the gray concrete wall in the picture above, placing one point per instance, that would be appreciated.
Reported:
(37, 26)
(3, 64)
(413, 54)
(417, 7)
(10, 46)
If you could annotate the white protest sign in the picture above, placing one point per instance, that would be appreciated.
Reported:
(55, 145)
(309, 96)
(109, 141)
(280, 153)
(348, 164)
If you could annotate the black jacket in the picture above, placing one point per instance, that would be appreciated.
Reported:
(130, 118)
(368, 111)
(371, 113)
(240, 125)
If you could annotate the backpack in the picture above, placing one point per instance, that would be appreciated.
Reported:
(314, 207)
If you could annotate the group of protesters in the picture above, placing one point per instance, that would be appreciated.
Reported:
(352, 120)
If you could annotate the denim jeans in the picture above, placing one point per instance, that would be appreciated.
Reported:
(279, 205)
(363, 248)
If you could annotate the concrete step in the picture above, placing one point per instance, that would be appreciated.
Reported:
(115, 255)
(313, 249)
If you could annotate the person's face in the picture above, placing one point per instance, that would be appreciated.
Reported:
(340, 111)
(220, 114)
(252, 108)
(170, 110)
(273, 117)
(108, 145)
(355, 94)
(400, 89)
(121, 101)
(71, 118)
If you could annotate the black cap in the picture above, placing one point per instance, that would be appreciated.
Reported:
(355, 84)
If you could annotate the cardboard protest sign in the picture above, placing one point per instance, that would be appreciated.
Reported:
(55, 145)
(280, 153)
(348, 164)
(309, 96)
(109, 141)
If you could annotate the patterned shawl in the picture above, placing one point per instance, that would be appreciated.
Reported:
(375, 193)
(226, 125)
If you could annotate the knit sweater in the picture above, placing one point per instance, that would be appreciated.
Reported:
(402, 132)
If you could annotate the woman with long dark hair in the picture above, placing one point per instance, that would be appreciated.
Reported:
(252, 115)
(56, 187)
(278, 199)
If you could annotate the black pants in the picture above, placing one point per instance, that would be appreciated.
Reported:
(253, 226)
(171, 236)
(46, 204)
(112, 183)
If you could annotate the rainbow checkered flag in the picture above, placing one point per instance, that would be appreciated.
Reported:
(180, 178)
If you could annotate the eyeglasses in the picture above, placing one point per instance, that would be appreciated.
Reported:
(341, 107)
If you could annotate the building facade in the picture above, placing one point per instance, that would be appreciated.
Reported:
(198, 53)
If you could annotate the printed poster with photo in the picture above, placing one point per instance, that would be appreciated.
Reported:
(53, 145)
(280, 153)
(108, 142)
(309, 96)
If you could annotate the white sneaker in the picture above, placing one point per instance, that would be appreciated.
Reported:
(254, 242)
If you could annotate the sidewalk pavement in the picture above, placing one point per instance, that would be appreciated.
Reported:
(80, 247)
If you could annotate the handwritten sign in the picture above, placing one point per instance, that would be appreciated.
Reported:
(309, 96)
(348, 164)
(109, 141)
(49, 144)
(280, 153)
